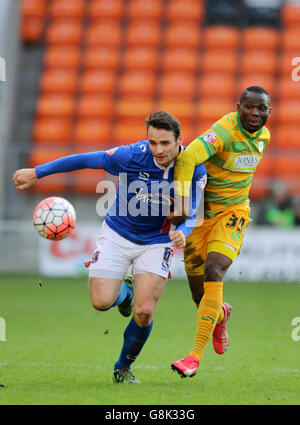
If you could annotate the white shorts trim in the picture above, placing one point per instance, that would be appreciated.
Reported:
(114, 255)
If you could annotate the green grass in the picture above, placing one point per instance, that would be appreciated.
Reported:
(59, 350)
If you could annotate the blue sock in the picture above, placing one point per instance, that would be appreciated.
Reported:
(125, 294)
(135, 337)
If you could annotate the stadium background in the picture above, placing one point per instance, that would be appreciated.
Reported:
(82, 75)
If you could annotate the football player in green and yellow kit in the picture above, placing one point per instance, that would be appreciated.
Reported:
(231, 150)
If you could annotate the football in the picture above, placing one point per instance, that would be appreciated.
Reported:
(54, 218)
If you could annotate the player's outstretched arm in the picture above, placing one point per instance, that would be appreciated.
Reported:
(178, 237)
(24, 178)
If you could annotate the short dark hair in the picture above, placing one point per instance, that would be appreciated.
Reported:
(163, 119)
(254, 89)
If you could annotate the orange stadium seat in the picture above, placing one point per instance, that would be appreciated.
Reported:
(265, 167)
(221, 37)
(183, 110)
(202, 125)
(247, 80)
(55, 105)
(42, 154)
(285, 62)
(137, 83)
(103, 9)
(260, 186)
(33, 8)
(218, 61)
(259, 61)
(143, 34)
(177, 85)
(185, 10)
(286, 88)
(131, 107)
(96, 81)
(290, 14)
(69, 9)
(140, 58)
(93, 132)
(86, 181)
(216, 85)
(52, 130)
(64, 32)
(188, 130)
(263, 38)
(32, 30)
(58, 81)
(287, 136)
(212, 109)
(288, 112)
(182, 34)
(180, 59)
(51, 184)
(129, 131)
(95, 106)
(101, 58)
(145, 9)
(103, 33)
(290, 39)
(286, 168)
(62, 57)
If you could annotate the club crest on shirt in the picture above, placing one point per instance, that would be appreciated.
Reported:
(95, 257)
(260, 146)
(210, 137)
(111, 151)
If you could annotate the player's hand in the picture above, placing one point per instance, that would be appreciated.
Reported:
(178, 237)
(24, 178)
(176, 219)
(180, 213)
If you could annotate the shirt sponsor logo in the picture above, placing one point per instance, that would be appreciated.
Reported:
(210, 137)
(246, 161)
(165, 266)
(153, 198)
(144, 175)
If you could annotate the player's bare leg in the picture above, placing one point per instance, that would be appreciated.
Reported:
(196, 287)
(148, 289)
(103, 292)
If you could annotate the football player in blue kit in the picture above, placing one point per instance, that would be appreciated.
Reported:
(136, 231)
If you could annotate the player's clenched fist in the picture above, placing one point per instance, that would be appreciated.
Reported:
(178, 237)
(24, 178)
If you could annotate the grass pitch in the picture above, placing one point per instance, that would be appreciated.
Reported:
(59, 350)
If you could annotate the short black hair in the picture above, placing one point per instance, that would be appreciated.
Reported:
(163, 119)
(254, 89)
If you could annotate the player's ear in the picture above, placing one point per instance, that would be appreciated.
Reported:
(180, 139)
(238, 107)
